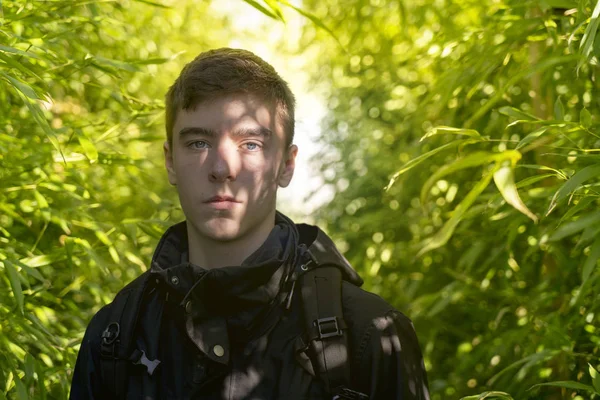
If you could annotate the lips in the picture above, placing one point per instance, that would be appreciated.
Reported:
(221, 199)
(221, 202)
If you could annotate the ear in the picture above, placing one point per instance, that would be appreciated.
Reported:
(285, 177)
(169, 163)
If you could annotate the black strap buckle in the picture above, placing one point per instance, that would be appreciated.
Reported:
(111, 333)
(349, 394)
(328, 327)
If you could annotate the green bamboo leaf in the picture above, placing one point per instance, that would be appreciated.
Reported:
(581, 205)
(559, 173)
(573, 184)
(21, 390)
(438, 130)
(517, 114)
(505, 182)
(532, 359)
(587, 41)
(475, 159)
(29, 271)
(39, 118)
(546, 63)
(595, 375)
(314, 20)
(444, 234)
(559, 109)
(585, 118)
(532, 136)
(41, 379)
(276, 9)
(591, 260)
(15, 283)
(153, 3)
(102, 62)
(21, 86)
(533, 179)
(418, 160)
(571, 228)
(29, 367)
(566, 384)
(489, 396)
(11, 62)
(7, 49)
(157, 60)
(261, 8)
(560, 3)
(89, 148)
(41, 260)
(587, 236)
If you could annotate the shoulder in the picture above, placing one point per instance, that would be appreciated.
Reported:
(365, 310)
(103, 317)
(370, 318)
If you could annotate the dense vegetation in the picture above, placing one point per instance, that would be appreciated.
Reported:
(461, 140)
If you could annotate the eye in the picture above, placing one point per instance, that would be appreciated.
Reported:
(252, 146)
(198, 145)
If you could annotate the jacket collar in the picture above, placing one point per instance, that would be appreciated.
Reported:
(239, 300)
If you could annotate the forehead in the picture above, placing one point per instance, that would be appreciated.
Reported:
(231, 112)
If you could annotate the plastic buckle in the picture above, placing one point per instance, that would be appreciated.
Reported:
(109, 336)
(349, 394)
(328, 331)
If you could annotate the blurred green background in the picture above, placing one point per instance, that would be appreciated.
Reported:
(455, 160)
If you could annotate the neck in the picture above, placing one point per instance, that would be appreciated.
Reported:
(210, 253)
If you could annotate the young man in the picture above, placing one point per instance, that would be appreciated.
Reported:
(240, 302)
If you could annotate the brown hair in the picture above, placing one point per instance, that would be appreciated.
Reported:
(225, 71)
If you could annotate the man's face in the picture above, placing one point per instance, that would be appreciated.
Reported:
(228, 157)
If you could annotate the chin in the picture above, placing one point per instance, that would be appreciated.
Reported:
(221, 230)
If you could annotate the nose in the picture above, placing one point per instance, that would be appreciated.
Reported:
(225, 163)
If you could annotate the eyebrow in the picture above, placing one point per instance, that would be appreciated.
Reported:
(242, 132)
(196, 130)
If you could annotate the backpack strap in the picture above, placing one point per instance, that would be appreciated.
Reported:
(326, 329)
(117, 350)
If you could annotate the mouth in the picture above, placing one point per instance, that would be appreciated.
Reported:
(221, 202)
(221, 199)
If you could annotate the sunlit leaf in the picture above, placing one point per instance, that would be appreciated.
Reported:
(505, 182)
(489, 396)
(8, 49)
(474, 159)
(566, 384)
(153, 3)
(438, 130)
(88, 147)
(517, 114)
(262, 9)
(41, 260)
(418, 160)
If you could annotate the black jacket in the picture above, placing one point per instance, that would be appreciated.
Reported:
(236, 332)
